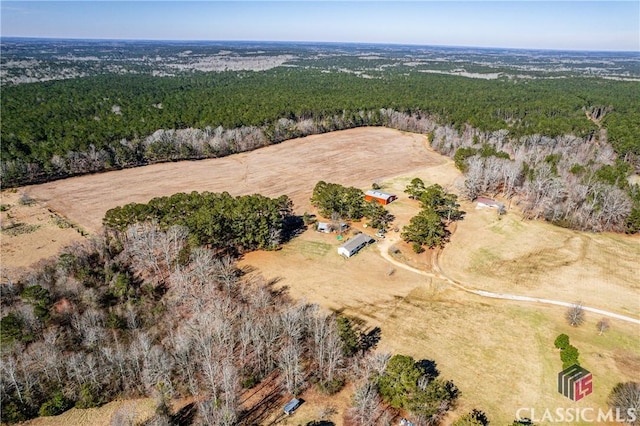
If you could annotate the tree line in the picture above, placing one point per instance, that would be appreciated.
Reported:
(62, 128)
(578, 183)
(575, 179)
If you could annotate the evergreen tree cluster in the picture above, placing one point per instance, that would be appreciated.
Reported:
(415, 387)
(217, 220)
(439, 208)
(568, 353)
(335, 200)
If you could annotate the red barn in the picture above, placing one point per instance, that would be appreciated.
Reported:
(381, 197)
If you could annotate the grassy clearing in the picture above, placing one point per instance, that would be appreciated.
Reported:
(509, 255)
(501, 355)
(19, 228)
(313, 248)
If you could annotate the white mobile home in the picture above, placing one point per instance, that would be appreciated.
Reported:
(354, 245)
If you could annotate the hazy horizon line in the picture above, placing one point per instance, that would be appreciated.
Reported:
(310, 42)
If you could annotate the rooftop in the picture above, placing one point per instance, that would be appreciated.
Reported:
(378, 194)
(357, 241)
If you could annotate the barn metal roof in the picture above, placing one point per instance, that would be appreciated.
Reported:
(379, 194)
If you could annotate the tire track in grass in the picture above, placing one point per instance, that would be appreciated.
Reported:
(385, 244)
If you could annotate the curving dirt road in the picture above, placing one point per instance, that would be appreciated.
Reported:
(384, 245)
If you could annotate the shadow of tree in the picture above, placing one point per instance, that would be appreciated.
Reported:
(369, 340)
(428, 368)
(185, 416)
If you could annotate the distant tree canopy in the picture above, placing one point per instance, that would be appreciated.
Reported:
(60, 128)
(217, 220)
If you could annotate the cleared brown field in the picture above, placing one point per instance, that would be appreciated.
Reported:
(533, 258)
(353, 157)
(29, 233)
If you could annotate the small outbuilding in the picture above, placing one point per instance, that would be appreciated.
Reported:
(323, 227)
(483, 202)
(383, 198)
(354, 245)
(292, 406)
(328, 228)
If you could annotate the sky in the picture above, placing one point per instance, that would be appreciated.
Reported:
(562, 25)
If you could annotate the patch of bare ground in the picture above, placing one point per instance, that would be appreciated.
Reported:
(316, 406)
(354, 157)
(30, 232)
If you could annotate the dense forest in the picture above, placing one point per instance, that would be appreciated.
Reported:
(563, 146)
(60, 128)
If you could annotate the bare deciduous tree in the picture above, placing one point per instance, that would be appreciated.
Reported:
(575, 315)
(366, 405)
(602, 326)
(625, 399)
(290, 364)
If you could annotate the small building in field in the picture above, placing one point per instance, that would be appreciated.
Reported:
(483, 202)
(354, 245)
(323, 227)
(379, 196)
(328, 228)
